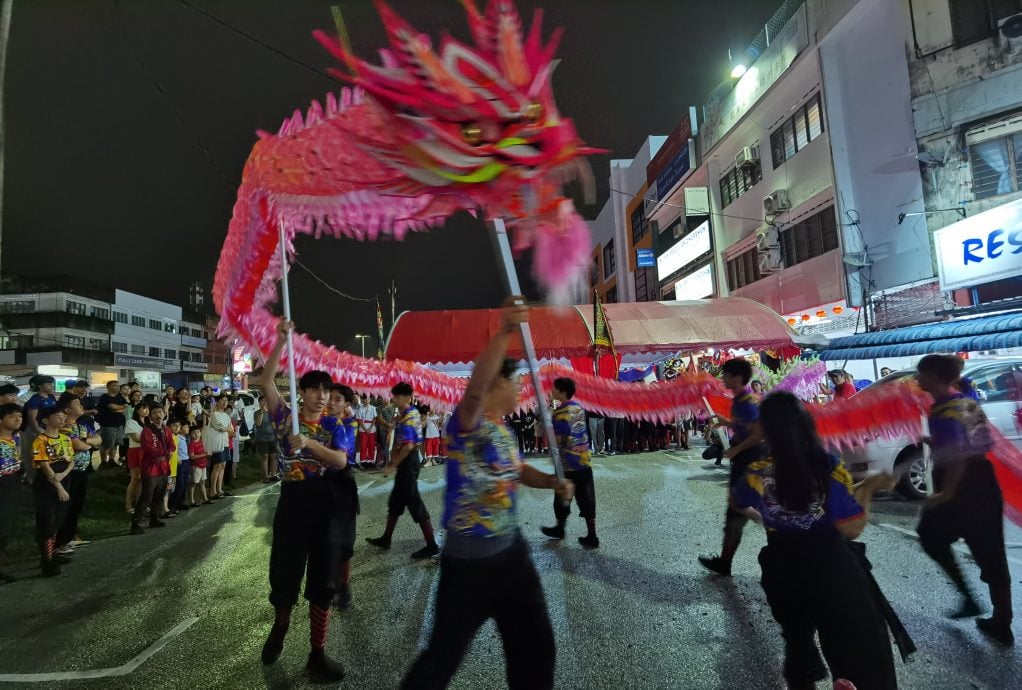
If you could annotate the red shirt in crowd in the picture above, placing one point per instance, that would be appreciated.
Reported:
(844, 390)
(157, 445)
(197, 454)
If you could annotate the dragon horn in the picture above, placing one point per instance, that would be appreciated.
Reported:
(482, 31)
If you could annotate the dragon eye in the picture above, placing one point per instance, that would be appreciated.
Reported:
(472, 134)
(534, 112)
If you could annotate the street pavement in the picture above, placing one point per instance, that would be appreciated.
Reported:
(185, 607)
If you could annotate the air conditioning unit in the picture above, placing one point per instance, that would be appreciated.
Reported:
(770, 261)
(776, 202)
(1011, 26)
(747, 157)
(767, 239)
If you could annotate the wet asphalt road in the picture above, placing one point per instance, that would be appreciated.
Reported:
(185, 607)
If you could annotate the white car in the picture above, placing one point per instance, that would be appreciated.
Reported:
(999, 385)
(248, 400)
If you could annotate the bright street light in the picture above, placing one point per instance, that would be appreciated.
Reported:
(363, 339)
(738, 71)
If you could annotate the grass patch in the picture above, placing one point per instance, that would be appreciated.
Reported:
(104, 514)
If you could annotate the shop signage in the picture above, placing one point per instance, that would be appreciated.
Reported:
(194, 366)
(138, 362)
(192, 341)
(672, 161)
(212, 378)
(645, 258)
(981, 249)
(686, 250)
(695, 285)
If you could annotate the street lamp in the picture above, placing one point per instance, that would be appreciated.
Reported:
(363, 339)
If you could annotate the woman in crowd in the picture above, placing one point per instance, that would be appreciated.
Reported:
(133, 435)
(265, 437)
(214, 439)
(812, 579)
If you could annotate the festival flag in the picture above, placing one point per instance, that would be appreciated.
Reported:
(602, 335)
(379, 331)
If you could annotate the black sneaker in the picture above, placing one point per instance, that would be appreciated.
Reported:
(137, 529)
(342, 601)
(274, 644)
(716, 564)
(50, 568)
(427, 551)
(590, 541)
(555, 532)
(997, 631)
(379, 542)
(968, 609)
(323, 669)
(157, 523)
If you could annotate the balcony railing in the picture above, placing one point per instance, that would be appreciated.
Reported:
(57, 319)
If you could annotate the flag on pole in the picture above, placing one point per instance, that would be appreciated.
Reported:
(379, 331)
(602, 335)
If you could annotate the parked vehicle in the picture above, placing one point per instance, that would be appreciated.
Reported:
(249, 403)
(998, 383)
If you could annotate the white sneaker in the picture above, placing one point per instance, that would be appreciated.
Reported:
(65, 550)
(78, 541)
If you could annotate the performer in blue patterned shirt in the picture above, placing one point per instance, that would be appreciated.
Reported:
(485, 571)
(968, 504)
(302, 524)
(10, 476)
(405, 461)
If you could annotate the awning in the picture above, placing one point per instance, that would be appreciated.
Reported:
(460, 335)
(642, 327)
(959, 335)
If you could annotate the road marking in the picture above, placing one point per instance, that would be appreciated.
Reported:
(123, 670)
(957, 547)
(366, 486)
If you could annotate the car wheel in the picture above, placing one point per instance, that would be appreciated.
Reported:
(913, 481)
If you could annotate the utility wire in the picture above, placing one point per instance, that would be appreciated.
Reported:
(325, 284)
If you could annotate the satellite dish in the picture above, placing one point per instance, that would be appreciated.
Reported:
(1012, 26)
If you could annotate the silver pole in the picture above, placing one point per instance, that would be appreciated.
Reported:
(6, 8)
(292, 386)
(507, 265)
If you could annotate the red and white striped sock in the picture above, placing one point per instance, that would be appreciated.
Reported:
(319, 618)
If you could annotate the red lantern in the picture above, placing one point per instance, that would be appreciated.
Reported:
(821, 313)
(805, 317)
(792, 322)
(838, 310)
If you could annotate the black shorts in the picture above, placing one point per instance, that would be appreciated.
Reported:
(585, 495)
(405, 493)
(346, 508)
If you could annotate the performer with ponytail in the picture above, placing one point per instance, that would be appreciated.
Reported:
(968, 504)
(306, 510)
(485, 571)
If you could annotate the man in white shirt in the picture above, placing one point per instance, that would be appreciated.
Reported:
(365, 415)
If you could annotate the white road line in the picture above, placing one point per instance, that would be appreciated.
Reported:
(366, 486)
(123, 670)
(912, 534)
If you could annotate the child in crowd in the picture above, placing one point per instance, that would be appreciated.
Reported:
(168, 509)
(10, 471)
(178, 500)
(200, 461)
(52, 457)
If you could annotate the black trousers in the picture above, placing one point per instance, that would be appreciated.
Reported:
(49, 509)
(975, 514)
(302, 529)
(405, 493)
(77, 487)
(346, 509)
(151, 496)
(815, 583)
(504, 587)
(585, 495)
(10, 504)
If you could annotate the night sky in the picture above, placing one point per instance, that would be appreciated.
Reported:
(110, 180)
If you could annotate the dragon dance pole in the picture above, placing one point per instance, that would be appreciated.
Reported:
(507, 264)
(292, 388)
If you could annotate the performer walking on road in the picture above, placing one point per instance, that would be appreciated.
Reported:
(405, 461)
(485, 571)
(573, 440)
(746, 446)
(968, 504)
(306, 510)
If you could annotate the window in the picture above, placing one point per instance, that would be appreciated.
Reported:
(97, 344)
(20, 306)
(738, 181)
(809, 238)
(639, 224)
(197, 333)
(138, 321)
(138, 349)
(99, 313)
(594, 271)
(119, 347)
(611, 295)
(645, 285)
(196, 356)
(170, 327)
(120, 317)
(609, 260)
(74, 341)
(73, 307)
(998, 383)
(170, 354)
(743, 269)
(796, 132)
(974, 20)
(154, 352)
(156, 324)
(996, 166)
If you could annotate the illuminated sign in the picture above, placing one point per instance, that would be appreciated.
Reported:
(981, 249)
(645, 258)
(685, 251)
(696, 285)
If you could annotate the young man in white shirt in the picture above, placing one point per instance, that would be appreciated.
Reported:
(365, 413)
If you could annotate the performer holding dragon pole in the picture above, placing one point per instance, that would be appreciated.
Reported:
(485, 571)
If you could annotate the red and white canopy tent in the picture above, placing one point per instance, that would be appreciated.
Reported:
(442, 337)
